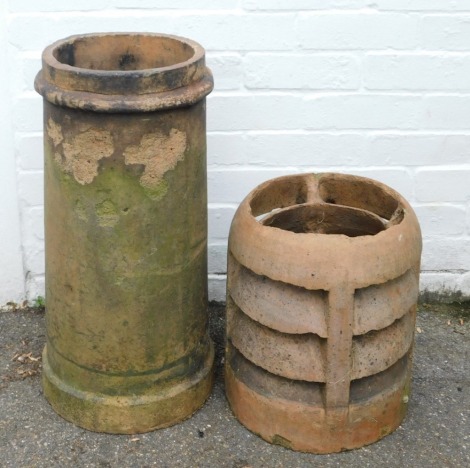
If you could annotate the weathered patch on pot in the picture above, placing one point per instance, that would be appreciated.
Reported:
(279, 440)
(107, 213)
(81, 153)
(159, 154)
(54, 130)
(80, 210)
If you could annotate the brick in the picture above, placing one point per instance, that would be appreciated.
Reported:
(227, 70)
(31, 188)
(302, 71)
(371, 111)
(441, 220)
(442, 286)
(417, 149)
(23, 6)
(445, 32)
(217, 288)
(304, 4)
(34, 258)
(446, 112)
(219, 220)
(241, 31)
(444, 184)
(468, 219)
(34, 32)
(23, 69)
(254, 112)
(217, 258)
(29, 150)
(30, 66)
(35, 287)
(463, 286)
(423, 5)
(285, 149)
(231, 186)
(27, 113)
(84, 5)
(446, 254)
(12, 265)
(304, 149)
(214, 30)
(33, 224)
(417, 72)
(226, 149)
(349, 31)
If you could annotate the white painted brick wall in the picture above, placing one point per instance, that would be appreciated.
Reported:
(447, 32)
(12, 275)
(302, 71)
(434, 71)
(378, 88)
(363, 30)
(443, 184)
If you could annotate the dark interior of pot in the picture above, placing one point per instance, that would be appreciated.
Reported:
(279, 194)
(341, 204)
(325, 219)
(123, 52)
(357, 193)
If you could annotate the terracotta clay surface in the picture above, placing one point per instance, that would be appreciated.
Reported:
(126, 230)
(323, 274)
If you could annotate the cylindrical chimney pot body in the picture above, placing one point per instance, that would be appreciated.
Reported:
(126, 230)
